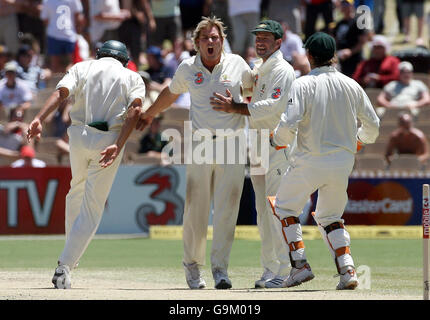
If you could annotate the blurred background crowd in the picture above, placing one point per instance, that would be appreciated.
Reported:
(40, 40)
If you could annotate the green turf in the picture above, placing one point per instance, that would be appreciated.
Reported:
(396, 265)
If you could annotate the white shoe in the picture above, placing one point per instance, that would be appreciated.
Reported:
(267, 275)
(276, 282)
(62, 278)
(221, 279)
(193, 276)
(348, 280)
(298, 276)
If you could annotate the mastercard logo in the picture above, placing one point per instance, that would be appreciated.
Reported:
(388, 203)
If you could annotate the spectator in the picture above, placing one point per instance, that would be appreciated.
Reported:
(174, 58)
(251, 56)
(15, 95)
(350, 39)
(191, 14)
(161, 74)
(105, 20)
(12, 133)
(32, 74)
(409, 8)
(406, 92)
(168, 22)
(277, 10)
(28, 159)
(151, 142)
(9, 25)
(61, 19)
(293, 51)
(313, 9)
(132, 29)
(380, 68)
(244, 16)
(29, 20)
(407, 139)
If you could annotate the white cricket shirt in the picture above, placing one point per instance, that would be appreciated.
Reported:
(270, 93)
(323, 107)
(103, 91)
(231, 73)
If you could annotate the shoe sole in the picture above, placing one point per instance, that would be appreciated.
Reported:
(350, 286)
(223, 285)
(297, 283)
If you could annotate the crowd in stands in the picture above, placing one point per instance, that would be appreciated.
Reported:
(40, 40)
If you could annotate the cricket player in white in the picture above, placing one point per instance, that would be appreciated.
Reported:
(108, 101)
(273, 79)
(322, 113)
(211, 70)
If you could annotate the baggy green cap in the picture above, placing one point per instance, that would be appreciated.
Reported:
(321, 45)
(271, 26)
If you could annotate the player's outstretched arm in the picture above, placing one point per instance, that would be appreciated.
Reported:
(163, 101)
(35, 127)
(111, 152)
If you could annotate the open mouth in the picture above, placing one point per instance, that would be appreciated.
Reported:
(210, 50)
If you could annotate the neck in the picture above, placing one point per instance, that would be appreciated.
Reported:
(210, 65)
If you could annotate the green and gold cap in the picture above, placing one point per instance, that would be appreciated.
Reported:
(270, 26)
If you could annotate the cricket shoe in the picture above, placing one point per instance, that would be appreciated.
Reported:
(276, 282)
(193, 276)
(62, 278)
(348, 280)
(267, 275)
(298, 276)
(221, 279)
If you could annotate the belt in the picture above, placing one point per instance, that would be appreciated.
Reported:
(100, 125)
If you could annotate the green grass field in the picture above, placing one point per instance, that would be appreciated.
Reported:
(395, 265)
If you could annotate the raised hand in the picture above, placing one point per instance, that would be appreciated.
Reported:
(34, 130)
(222, 103)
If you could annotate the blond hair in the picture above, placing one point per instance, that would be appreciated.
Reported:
(205, 23)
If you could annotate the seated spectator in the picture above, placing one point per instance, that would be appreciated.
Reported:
(14, 93)
(32, 74)
(28, 159)
(406, 92)
(161, 74)
(380, 68)
(350, 39)
(151, 142)
(293, 51)
(174, 58)
(12, 135)
(407, 140)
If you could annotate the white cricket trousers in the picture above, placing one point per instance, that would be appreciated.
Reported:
(222, 184)
(329, 175)
(89, 188)
(274, 250)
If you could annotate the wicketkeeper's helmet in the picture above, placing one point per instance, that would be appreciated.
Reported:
(114, 49)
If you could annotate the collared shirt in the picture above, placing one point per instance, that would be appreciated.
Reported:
(231, 73)
(103, 91)
(272, 85)
(323, 108)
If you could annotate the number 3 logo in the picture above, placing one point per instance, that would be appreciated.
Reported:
(199, 78)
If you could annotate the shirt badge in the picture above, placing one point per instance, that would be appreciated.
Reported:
(277, 93)
(199, 78)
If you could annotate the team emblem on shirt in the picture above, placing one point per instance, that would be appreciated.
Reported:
(277, 93)
(225, 79)
(199, 78)
(256, 79)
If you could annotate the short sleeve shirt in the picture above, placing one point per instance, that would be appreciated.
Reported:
(61, 16)
(401, 94)
(231, 73)
(11, 97)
